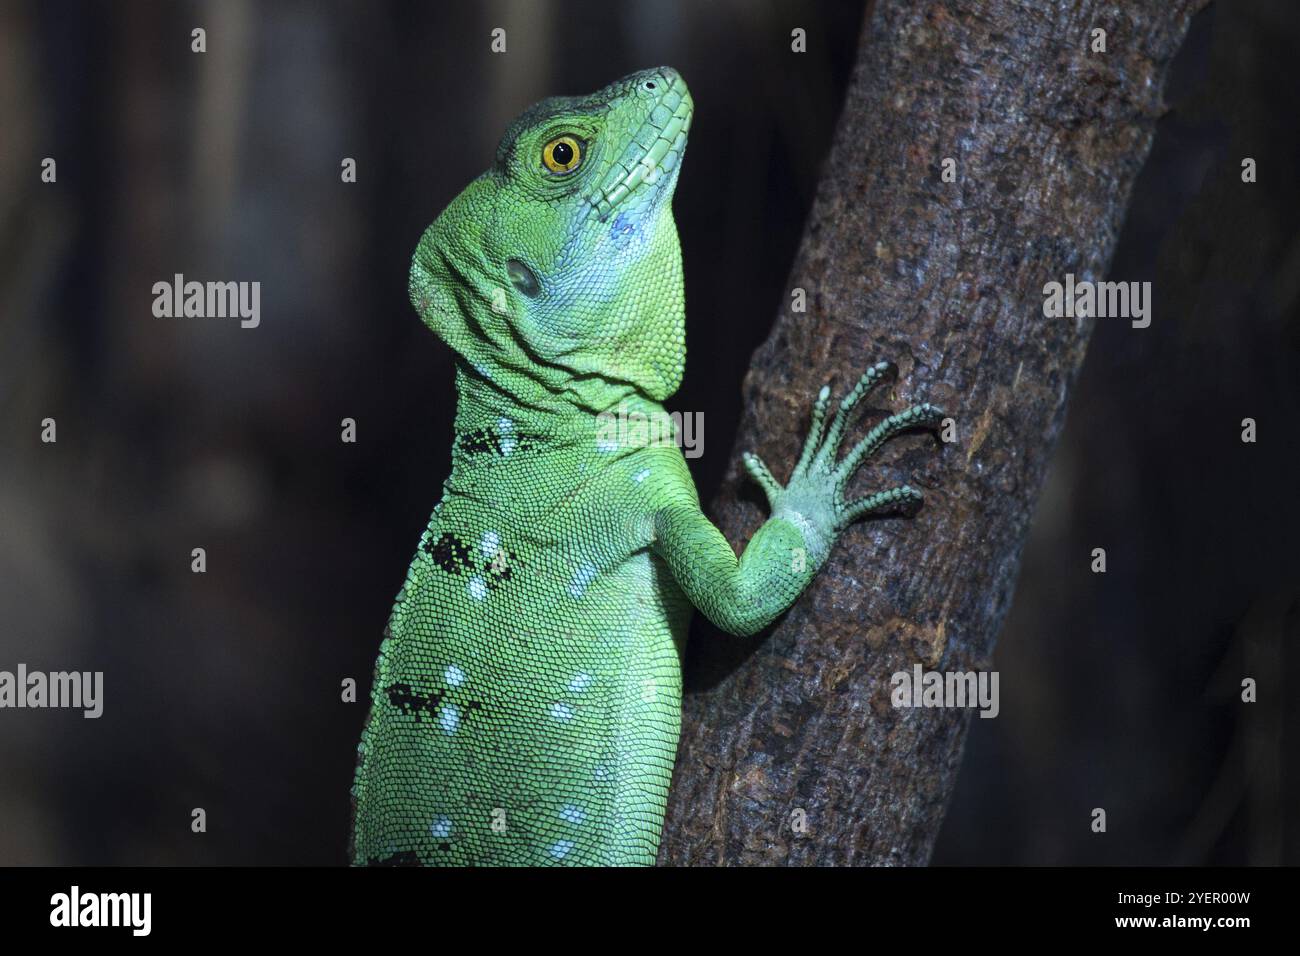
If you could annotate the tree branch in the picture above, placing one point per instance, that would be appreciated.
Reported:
(946, 279)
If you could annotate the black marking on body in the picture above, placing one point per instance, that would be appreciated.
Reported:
(453, 555)
(449, 553)
(482, 441)
(500, 568)
(412, 703)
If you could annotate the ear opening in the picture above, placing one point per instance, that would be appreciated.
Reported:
(523, 278)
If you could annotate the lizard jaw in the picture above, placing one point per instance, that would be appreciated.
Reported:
(662, 158)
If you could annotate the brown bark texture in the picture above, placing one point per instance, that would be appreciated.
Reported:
(791, 751)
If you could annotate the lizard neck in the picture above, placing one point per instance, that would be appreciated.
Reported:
(493, 423)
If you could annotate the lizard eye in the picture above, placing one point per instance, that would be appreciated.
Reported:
(562, 155)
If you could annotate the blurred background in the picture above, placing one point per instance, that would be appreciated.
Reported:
(222, 690)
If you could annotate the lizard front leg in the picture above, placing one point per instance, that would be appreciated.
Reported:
(744, 595)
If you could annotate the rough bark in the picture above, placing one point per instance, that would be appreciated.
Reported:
(946, 280)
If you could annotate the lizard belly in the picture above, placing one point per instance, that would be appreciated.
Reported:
(529, 717)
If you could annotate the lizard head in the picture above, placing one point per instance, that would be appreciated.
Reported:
(561, 262)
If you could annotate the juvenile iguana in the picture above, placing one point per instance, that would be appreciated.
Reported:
(526, 702)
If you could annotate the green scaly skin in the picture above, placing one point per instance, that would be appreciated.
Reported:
(526, 702)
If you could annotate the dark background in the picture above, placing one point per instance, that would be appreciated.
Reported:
(223, 689)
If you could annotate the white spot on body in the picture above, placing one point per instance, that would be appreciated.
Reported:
(561, 849)
(490, 544)
(571, 814)
(478, 588)
(441, 827)
(507, 429)
(605, 445)
(449, 719)
(580, 683)
(454, 676)
(641, 475)
(561, 711)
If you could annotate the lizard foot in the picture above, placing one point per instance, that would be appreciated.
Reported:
(815, 493)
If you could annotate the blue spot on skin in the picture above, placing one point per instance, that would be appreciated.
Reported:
(623, 229)
(581, 578)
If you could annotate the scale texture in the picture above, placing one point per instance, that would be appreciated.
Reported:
(526, 702)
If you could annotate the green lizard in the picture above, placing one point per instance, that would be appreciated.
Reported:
(527, 696)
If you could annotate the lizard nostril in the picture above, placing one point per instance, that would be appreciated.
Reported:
(649, 84)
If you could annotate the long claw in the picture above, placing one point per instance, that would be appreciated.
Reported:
(869, 380)
(815, 430)
(918, 416)
(759, 472)
(904, 498)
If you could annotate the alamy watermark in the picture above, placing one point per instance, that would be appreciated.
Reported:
(1103, 300)
(634, 428)
(921, 688)
(208, 300)
(76, 908)
(79, 690)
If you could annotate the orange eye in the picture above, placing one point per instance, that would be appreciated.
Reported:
(562, 154)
